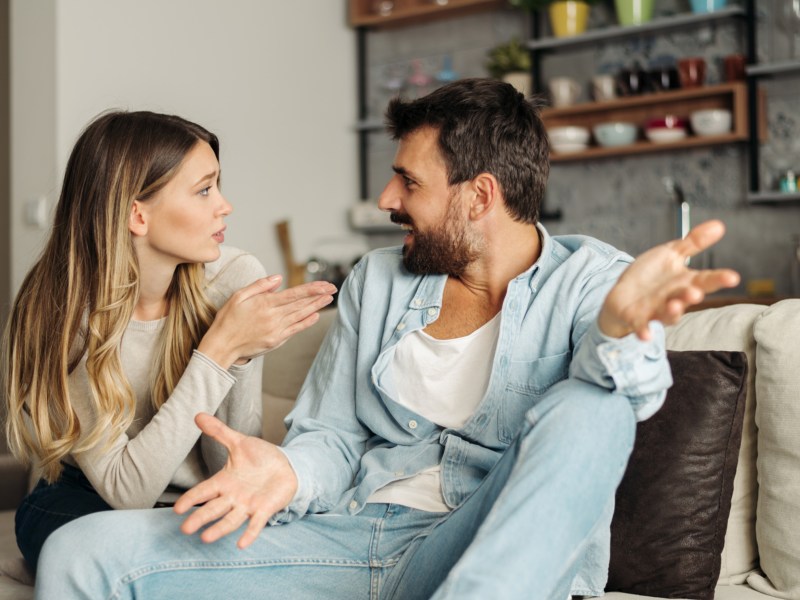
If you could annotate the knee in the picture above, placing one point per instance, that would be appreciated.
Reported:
(586, 415)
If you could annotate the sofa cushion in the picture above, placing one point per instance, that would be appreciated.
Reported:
(286, 370)
(674, 500)
(777, 335)
(731, 328)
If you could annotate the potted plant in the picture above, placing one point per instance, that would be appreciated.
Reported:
(511, 62)
(567, 17)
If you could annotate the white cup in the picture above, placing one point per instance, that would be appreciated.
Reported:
(604, 87)
(564, 91)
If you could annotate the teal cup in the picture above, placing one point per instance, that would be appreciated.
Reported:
(707, 6)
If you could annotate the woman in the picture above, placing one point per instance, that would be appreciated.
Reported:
(130, 324)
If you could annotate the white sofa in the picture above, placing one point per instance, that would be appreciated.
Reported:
(761, 555)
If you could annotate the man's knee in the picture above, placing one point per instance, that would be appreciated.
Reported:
(582, 411)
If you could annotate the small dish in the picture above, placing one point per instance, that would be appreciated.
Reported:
(615, 134)
(568, 148)
(663, 130)
(712, 121)
(569, 134)
(664, 135)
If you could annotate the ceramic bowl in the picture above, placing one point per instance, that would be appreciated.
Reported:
(615, 134)
(712, 121)
(666, 129)
(569, 134)
(568, 148)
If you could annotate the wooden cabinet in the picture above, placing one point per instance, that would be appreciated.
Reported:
(638, 109)
(366, 13)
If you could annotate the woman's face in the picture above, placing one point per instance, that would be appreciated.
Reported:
(183, 222)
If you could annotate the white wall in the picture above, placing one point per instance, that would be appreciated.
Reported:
(275, 80)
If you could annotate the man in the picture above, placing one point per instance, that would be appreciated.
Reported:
(465, 425)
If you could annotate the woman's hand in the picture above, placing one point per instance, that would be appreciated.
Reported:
(256, 482)
(257, 319)
(659, 285)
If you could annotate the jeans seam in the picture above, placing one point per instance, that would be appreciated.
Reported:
(142, 572)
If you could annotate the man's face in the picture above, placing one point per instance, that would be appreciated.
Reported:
(439, 239)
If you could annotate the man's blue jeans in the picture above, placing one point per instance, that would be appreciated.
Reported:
(525, 532)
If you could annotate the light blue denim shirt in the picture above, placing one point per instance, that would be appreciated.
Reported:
(348, 436)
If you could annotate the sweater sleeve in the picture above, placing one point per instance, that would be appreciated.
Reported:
(133, 469)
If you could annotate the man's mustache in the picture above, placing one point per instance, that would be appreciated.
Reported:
(400, 219)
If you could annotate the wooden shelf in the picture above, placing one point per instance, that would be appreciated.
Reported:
(638, 109)
(617, 32)
(409, 11)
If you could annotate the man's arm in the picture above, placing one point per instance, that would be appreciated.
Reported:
(659, 286)
(619, 339)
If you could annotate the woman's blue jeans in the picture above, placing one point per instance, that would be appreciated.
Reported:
(526, 532)
(51, 505)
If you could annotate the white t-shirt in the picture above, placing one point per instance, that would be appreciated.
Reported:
(443, 381)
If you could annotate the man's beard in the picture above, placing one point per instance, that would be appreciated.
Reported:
(447, 249)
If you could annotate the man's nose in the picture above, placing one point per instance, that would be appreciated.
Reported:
(389, 199)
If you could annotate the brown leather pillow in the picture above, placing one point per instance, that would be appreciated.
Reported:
(673, 503)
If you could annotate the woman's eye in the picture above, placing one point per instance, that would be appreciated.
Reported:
(205, 191)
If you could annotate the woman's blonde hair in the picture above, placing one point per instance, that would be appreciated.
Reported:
(79, 297)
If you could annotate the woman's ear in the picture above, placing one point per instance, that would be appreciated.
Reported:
(485, 190)
(137, 223)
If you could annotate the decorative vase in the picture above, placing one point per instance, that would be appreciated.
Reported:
(568, 17)
(707, 6)
(634, 12)
(520, 80)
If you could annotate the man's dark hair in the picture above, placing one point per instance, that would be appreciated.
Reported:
(485, 126)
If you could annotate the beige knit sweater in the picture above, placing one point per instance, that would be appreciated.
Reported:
(160, 455)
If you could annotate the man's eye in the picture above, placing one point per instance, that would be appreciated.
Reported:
(407, 182)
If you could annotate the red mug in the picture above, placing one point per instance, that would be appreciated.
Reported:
(734, 67)
(692, 72)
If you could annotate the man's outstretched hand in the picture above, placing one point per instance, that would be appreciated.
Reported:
(256, 482)
(659, 285)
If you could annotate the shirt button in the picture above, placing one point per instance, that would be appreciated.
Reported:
(417, 301)
(398, 473)
(401, 326)
(412, 424)
(353, 505)
(431, 311)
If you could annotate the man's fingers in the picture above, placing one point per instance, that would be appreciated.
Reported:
(233, 519)
(202, 492)
(211, 511)
(254, 528)
(216, 429)
(701, 237)
(716, 279)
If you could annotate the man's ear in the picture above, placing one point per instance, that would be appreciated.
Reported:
(137, 222)
(486, 194)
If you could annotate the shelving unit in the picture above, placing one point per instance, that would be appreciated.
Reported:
(637, 109)
(786, 68)
(619, 32)
(405, 12)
